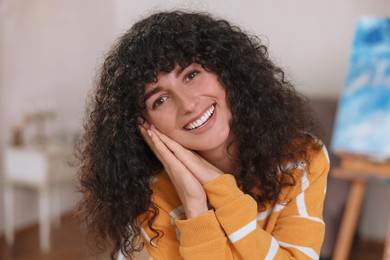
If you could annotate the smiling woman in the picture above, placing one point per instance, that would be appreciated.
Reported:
(196, 147)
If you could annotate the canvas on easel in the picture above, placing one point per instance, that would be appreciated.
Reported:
(361, 135)
(363, 117)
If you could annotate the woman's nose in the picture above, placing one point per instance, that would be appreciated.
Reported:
(187, 102)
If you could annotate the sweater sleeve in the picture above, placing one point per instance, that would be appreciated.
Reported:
(179, 238)
(298, 228)
(231, 230)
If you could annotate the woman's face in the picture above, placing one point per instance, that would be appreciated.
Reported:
(189, 105)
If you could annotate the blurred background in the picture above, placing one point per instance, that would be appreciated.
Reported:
(50, 51)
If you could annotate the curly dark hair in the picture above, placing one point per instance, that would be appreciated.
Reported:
(116, 165)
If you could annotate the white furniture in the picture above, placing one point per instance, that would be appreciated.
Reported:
(40, 169)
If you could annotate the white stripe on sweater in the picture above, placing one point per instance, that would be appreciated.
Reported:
(305, 181)
(306, 250)
(311, 218)
(301, 206)
(242, 232)
(292, 166)
(327, 157)
(147, 238)
(326, 153)
(120, 256)
(263, 215)
(278, 207)
(273, 249)
(175, 213)
(153, 180)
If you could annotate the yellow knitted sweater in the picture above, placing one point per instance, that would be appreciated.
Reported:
(235, 228)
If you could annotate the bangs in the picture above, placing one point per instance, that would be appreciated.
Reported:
(160, 48)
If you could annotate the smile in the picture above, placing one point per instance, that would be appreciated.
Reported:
(202, 121)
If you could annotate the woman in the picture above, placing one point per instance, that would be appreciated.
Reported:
(198, 146)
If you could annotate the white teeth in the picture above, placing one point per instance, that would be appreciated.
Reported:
(201, 120)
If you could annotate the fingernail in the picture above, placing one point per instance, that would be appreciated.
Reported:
(149, 133)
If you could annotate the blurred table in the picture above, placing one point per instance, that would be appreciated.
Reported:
(41, 169)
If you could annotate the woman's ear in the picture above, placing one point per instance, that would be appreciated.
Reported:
(143, 122)
(140, 120)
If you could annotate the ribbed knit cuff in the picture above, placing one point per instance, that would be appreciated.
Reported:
(222, 190)
(195, 231)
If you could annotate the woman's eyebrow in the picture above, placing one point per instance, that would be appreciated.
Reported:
(180, 71)
(150, 93)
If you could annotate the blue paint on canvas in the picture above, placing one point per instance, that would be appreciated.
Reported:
(363, 117)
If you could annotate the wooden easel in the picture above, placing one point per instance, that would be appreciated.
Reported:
(357, 169)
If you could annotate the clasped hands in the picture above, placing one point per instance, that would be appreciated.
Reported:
(186, 169)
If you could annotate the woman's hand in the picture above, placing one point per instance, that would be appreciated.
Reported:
(199, 167)
(187, 170)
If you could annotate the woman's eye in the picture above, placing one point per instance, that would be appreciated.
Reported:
(191, 75)
(159, 101)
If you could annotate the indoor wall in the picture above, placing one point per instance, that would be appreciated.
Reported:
(49, 52)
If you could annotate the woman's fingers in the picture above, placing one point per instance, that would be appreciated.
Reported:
(175, 147)
(162, 151)
(158, 148)
(146, 134)
(189, 189)
(173, 155)
(202, 170)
